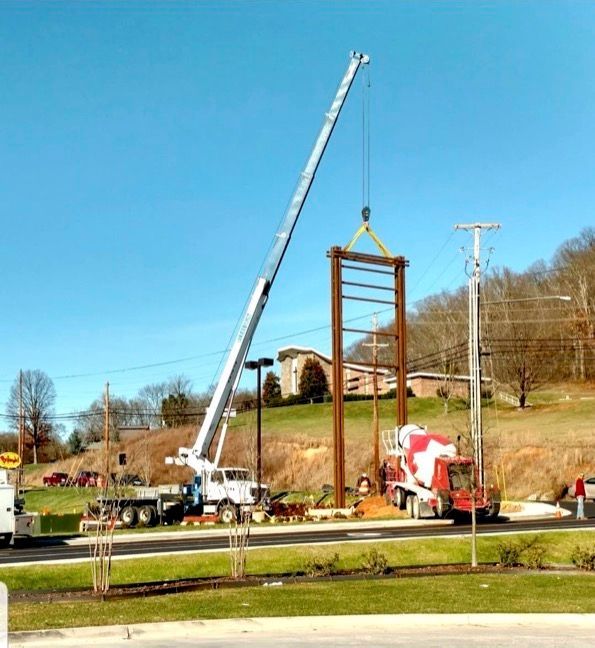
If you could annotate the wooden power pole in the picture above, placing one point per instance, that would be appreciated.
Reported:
(375, 419)
(106, 436)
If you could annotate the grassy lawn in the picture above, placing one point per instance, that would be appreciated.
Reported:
(59, 500)
(514, 592)
(473, 593)
(289, 560)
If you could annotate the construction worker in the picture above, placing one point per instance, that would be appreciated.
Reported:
(382, 476)
(363, 485)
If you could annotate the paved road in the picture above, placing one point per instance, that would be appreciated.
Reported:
(425, 631)
(197, 541)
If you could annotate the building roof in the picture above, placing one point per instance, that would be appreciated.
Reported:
(294, 351)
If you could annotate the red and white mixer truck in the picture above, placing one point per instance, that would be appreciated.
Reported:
(426, 475)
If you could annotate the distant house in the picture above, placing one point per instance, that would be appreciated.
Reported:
(425, 383)
(357, 379)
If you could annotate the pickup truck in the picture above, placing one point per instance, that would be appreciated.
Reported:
(55, 479)
(85, 479)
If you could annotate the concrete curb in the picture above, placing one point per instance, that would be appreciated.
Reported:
(288, 625)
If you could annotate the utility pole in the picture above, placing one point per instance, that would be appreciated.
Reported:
(21, 444)
(475, 370)
(375, 431)
(106, 436)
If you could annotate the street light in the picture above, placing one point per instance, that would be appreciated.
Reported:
(257, 364)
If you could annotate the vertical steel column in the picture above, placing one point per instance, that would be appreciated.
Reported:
(338, 406)
(401, 345)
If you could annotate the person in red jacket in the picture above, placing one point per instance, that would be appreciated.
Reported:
(579, 493)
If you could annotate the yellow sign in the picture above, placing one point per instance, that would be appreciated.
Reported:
(9, 460)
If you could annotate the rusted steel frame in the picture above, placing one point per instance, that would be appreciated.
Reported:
(338, 403)
(362, 269)
(378, 364)
(358, 257)
(401, 343)
(366, 332)
(369, 299)
(363, 285)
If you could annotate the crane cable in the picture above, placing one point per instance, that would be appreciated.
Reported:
(365, 226)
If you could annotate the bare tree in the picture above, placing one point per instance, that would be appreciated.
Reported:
(151, 397)
(38, 398)
(517, 333)
(575, 271)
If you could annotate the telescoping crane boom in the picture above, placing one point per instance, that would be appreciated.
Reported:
(196, 457)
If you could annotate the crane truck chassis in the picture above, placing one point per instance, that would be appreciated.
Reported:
(426, 476)
(224, 492)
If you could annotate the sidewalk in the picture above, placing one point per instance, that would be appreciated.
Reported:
(236, 629)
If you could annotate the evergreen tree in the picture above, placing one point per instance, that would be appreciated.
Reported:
(271, 388)
(313, 383)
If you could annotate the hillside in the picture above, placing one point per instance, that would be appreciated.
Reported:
(535, 449)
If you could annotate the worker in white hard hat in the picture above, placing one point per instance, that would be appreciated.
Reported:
(363, 485)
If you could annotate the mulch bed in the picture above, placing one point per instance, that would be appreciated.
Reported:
(157, 588)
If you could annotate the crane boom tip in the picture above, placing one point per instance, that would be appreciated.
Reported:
(364, 58)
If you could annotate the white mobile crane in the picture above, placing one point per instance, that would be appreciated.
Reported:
(226, 489)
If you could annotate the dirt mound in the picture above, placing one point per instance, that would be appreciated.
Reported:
(376, 507)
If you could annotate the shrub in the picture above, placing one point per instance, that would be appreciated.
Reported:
(534, 557)
(509, 553)
(584, 558)
(527, 552)
(322, 565)
(375, 562)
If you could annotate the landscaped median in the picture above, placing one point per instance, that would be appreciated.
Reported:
(561, 590)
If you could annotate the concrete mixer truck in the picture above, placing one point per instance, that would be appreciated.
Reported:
(426, 476)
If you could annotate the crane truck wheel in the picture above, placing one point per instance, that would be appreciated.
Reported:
(227, 513)
(5, 540)
(147, 515)
(128, 516)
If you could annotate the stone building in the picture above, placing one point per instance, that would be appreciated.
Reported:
(358, 379)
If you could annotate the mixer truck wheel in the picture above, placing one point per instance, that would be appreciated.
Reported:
(400, 498)
(409, 505)
(442, 507)
(415, 507)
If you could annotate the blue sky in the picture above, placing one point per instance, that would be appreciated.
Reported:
(148, 151)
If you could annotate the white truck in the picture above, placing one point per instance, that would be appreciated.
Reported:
(13, 521)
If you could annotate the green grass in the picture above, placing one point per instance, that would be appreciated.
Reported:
(514, 592)
(287, 560)
(470, 593)
(59, 500)
(316, 420)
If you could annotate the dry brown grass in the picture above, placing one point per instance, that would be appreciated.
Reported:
(535, 450)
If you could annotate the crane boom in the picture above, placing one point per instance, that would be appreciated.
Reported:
(196, 457)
